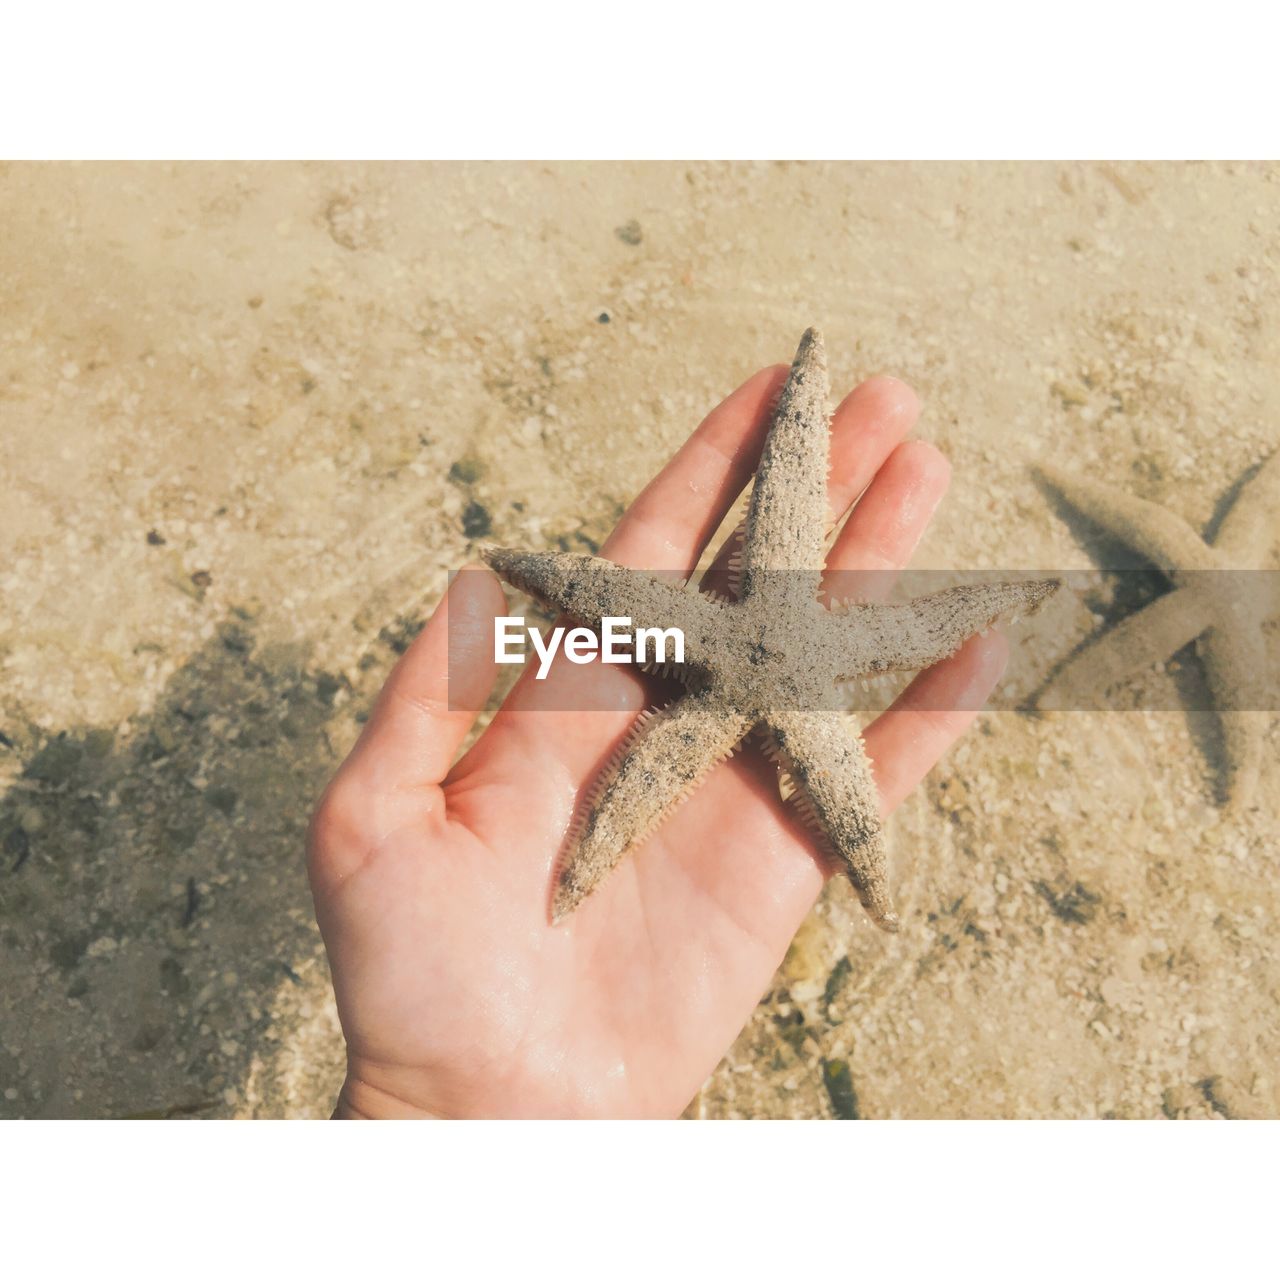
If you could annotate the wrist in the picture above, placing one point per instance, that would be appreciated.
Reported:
(360, 1100)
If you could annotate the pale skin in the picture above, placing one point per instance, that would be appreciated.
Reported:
(432, 874)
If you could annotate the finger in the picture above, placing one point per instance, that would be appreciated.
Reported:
(433, 696)
(883, 530)
(867, 424)
(669, 524)
(930, 714)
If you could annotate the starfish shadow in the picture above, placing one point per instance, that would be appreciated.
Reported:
(1178, 600)
(1222, 508)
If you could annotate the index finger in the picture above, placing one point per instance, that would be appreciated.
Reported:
(669, 524)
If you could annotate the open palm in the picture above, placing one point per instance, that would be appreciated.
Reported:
(432, 878)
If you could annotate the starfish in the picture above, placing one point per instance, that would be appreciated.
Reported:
(769, 659)
(1225, 609)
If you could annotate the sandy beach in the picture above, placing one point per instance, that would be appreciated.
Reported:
(251, 416)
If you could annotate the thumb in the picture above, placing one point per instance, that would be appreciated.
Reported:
(432, 698)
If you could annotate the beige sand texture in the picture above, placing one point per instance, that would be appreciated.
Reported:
(251, 416)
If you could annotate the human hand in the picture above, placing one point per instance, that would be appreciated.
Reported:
(431, 878)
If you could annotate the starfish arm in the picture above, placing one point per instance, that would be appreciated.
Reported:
(1154, 532)
(591, 589)
(785, 534)
(836, 795)
(665, 757)
(868, 639)
(1235, 662)
(1248, 537)
(1151, 635)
